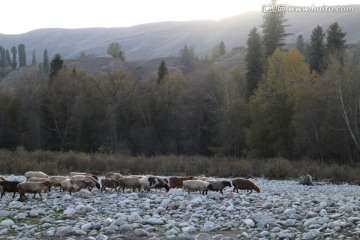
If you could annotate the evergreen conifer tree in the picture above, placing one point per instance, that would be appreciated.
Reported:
(300, 44)
(55, 66)
(336, 42)
(317, 50)
(273, 31)
(254, 62)
(162, 72)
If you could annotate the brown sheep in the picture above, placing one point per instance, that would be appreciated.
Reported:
(113, 175)
(244, 184)
(32, 187)
(73, 185)
(177, 182)
(87, 178)
(110, 183)
(9, 186)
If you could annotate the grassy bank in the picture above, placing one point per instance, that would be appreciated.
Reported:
(57, 163)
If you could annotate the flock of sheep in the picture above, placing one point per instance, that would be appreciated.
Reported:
(37, 182)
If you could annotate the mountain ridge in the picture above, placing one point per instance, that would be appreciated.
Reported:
(164, 39)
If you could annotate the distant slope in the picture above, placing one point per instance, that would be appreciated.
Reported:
(163, 39)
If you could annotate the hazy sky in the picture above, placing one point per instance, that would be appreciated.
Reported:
(19, 16)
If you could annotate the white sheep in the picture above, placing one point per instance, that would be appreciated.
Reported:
(39, 174)
(31, 187)
(148, 182)
(47, 181)
(129, 182)
(56, 180)
(71, 174)
(197, 185)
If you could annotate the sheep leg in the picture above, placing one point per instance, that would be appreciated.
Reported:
(13, 195)
(40, 196)
(22, 196)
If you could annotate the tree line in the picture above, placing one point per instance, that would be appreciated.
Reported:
(280, 104)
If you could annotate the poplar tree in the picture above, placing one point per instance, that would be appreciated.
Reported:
(114, 50)
(22, 55)
(45, 65)
(14, 53)
(2, 57)
(7, 58)
(33, 61)
(254, 62)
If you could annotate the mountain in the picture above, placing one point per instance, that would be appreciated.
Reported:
(165, 39)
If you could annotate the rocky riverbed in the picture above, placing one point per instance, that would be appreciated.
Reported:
(282, 210)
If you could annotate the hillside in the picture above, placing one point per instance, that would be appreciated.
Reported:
(149, 41)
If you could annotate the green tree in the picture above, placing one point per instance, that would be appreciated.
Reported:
(317, 50)
(22, 55)
(2, 57)
(56, 65)
(33, 61)
(187, 58)
(254, 62)
(218, 50)
(14, 53)
(300, 44)
(114, 50)
(46, 63)
(222, 48)
(162, 72)
(7, 58)
(273, 31)
(272, 108)
(336, 42)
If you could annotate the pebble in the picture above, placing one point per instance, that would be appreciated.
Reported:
(283, 210)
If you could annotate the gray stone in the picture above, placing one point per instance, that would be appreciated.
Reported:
(203, 236)
(154, 221)
(126, 228)
(64, 231)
